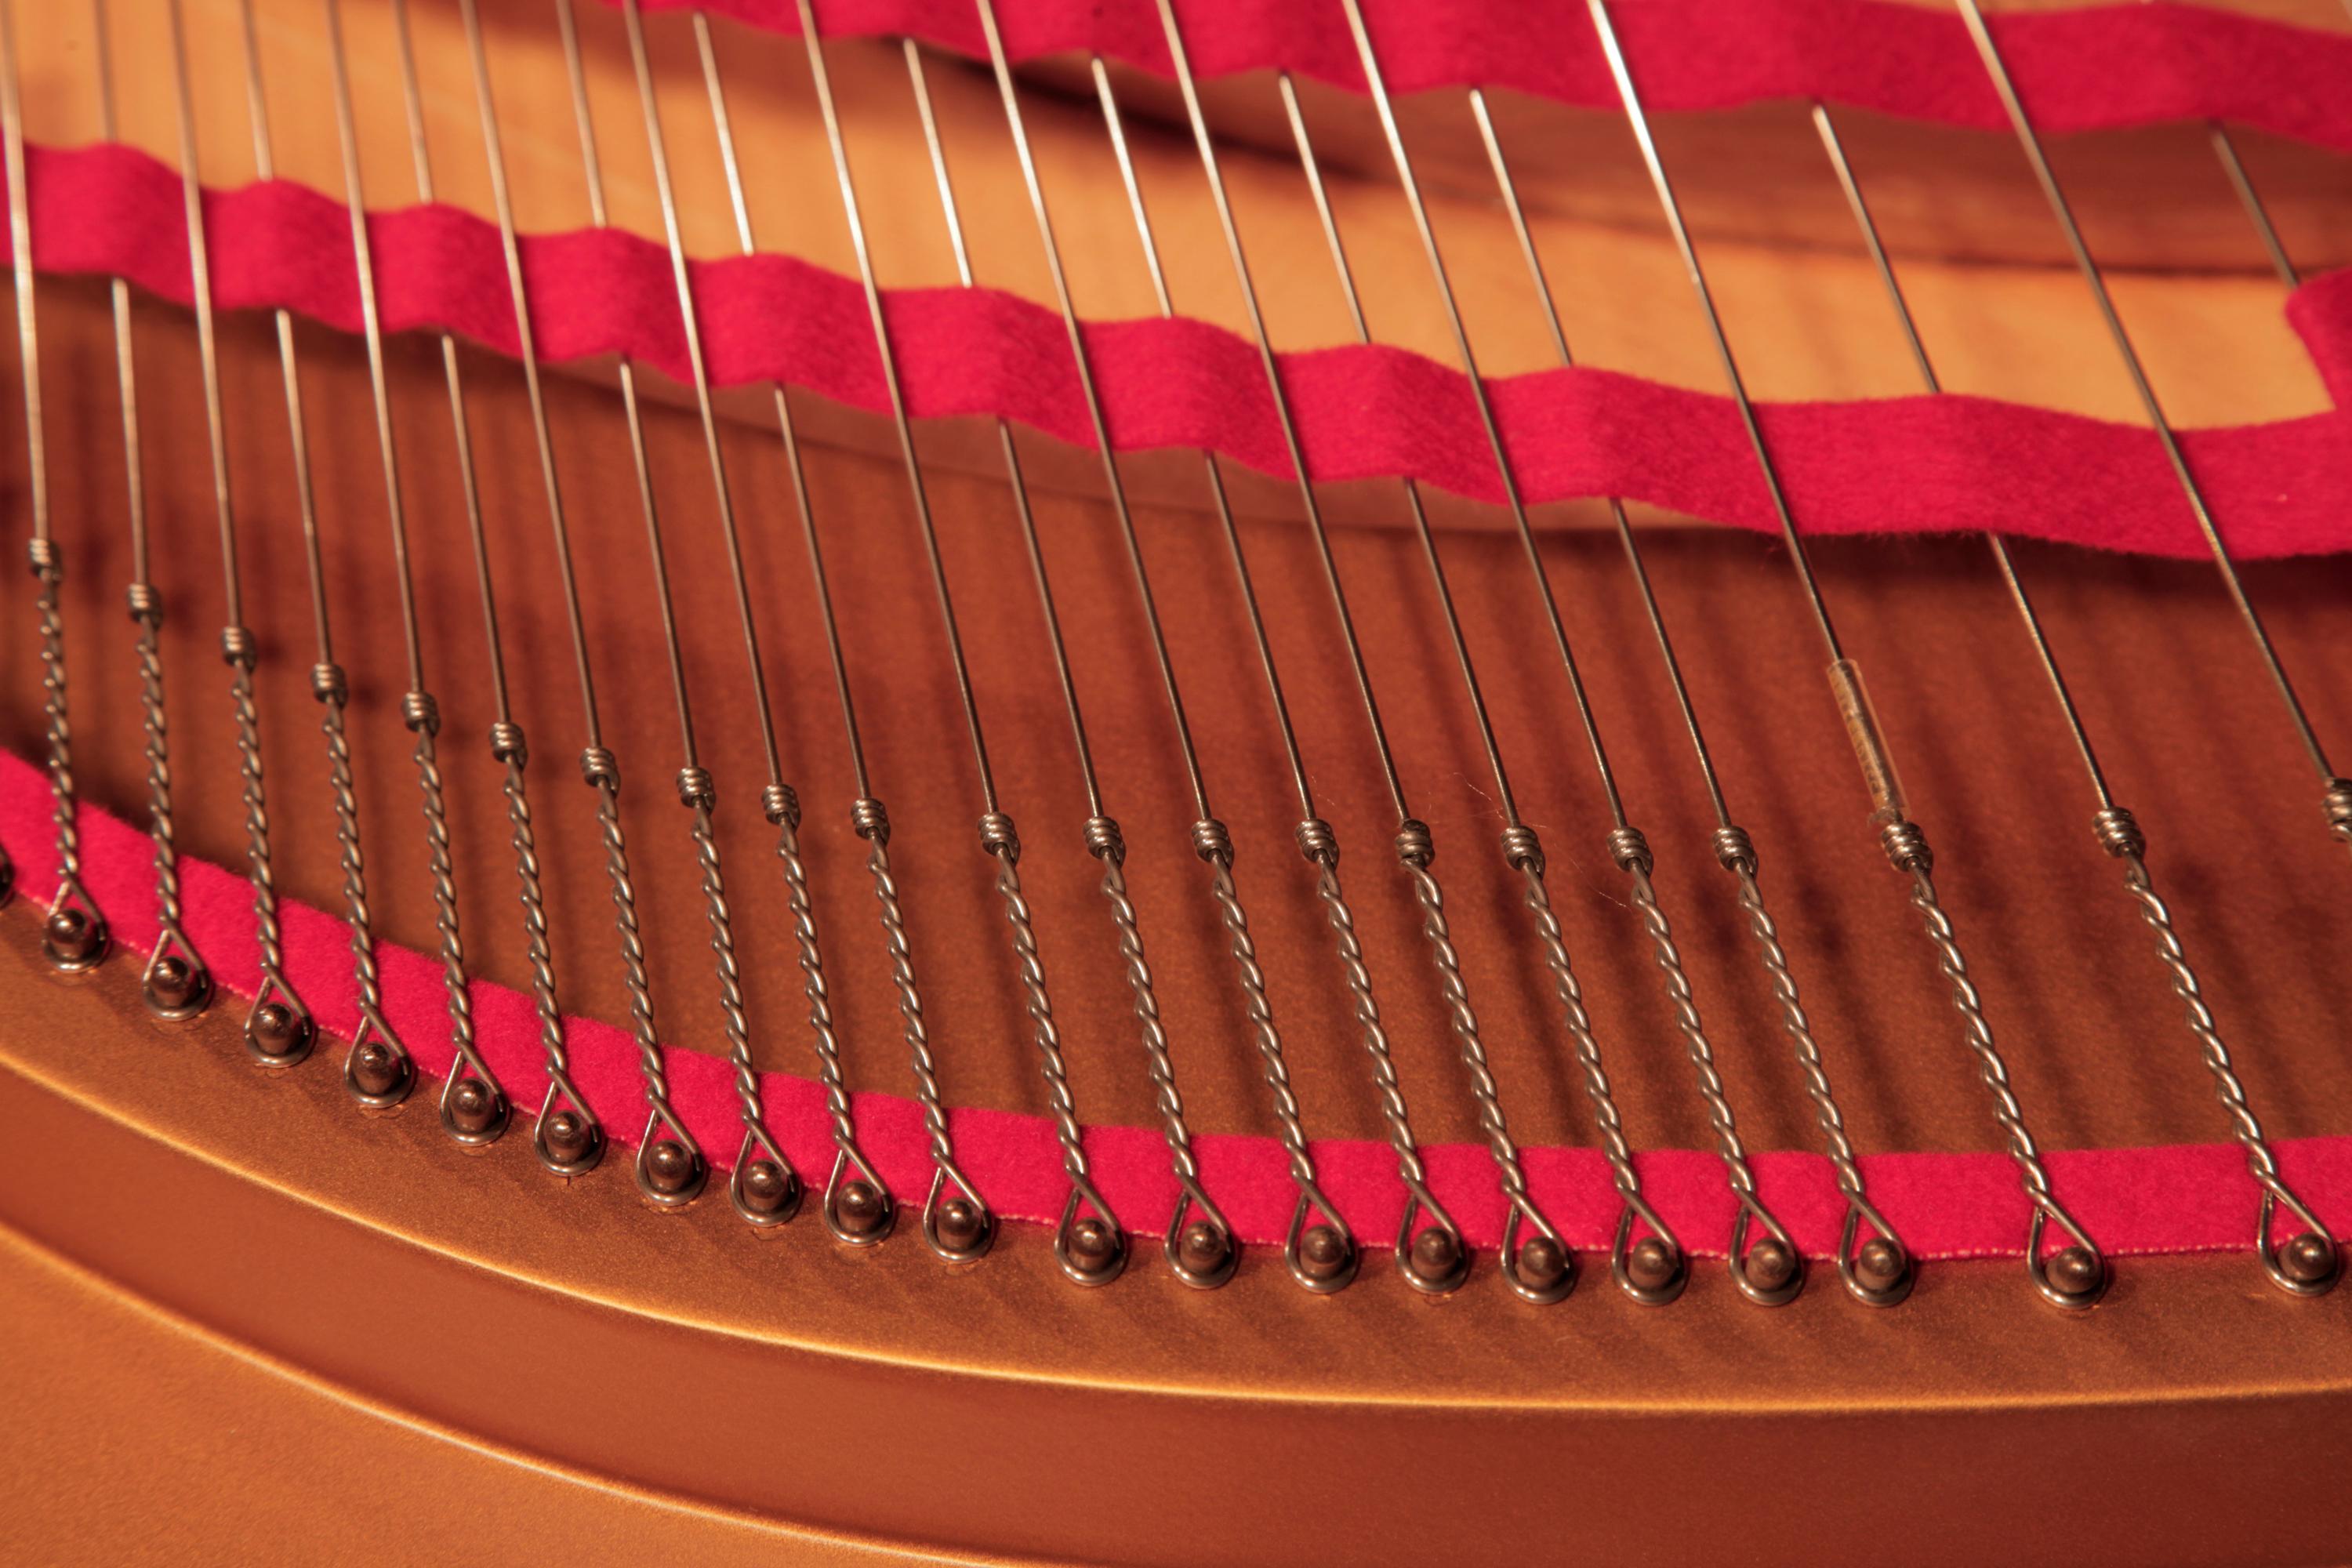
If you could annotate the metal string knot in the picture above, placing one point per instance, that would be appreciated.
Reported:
(507, 742)
(1104, 841)
(327, 683)
(695, 788)
(1734, 850)
(599, 767)
(42, 555)
(1414, 846)
(2337, 804)
(998, 837)
(1523, 849)
(1317, 842)
(2119, 832)
(871, 819)
(145, 601)
(1905, 843)
(1212, 842)
(781, 805)
(420, 712)
(238, 647)
(1631, 850)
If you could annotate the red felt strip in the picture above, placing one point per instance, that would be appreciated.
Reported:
(2188, 1198)
(2100, 66)
(1899, 465)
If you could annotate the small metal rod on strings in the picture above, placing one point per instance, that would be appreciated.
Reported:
(956, 1222)
(279, 1029)
(2307, 1263)
(1877, 1271)
(566, 1133)
(1090, 1246)
(376, 1071)
(2336, 792)
(857, 1207)
(2075, 1274)
(1199, 1250)
(74, 932)
(1430, 1250)
(1319, 1248)
(174, 982)
(670, 1169)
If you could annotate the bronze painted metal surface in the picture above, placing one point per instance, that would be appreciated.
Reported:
(617, 1361)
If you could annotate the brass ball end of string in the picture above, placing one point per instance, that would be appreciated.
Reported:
(670, 1167)
(474, 1106)
(1879, 1263)
(566, 1133)
(764, 1188)
(278, 1033)
(1652, 1264)
(860, 1208)
(569, 1143)
(376, 1070)
(2307, 1258)
(1769, 1265)
(1435, 1256)
(1322, 1252)
(959, 1225)
(73, 938)
(2075, 1271)
(1543, 1264)
(1202, 1248)
(176, 988)
(1093, 1246)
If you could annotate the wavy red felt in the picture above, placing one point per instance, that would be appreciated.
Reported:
(2099, 67)
(2179, 1199)
(1911, 464)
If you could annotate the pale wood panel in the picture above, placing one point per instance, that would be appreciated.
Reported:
(2002, 312)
